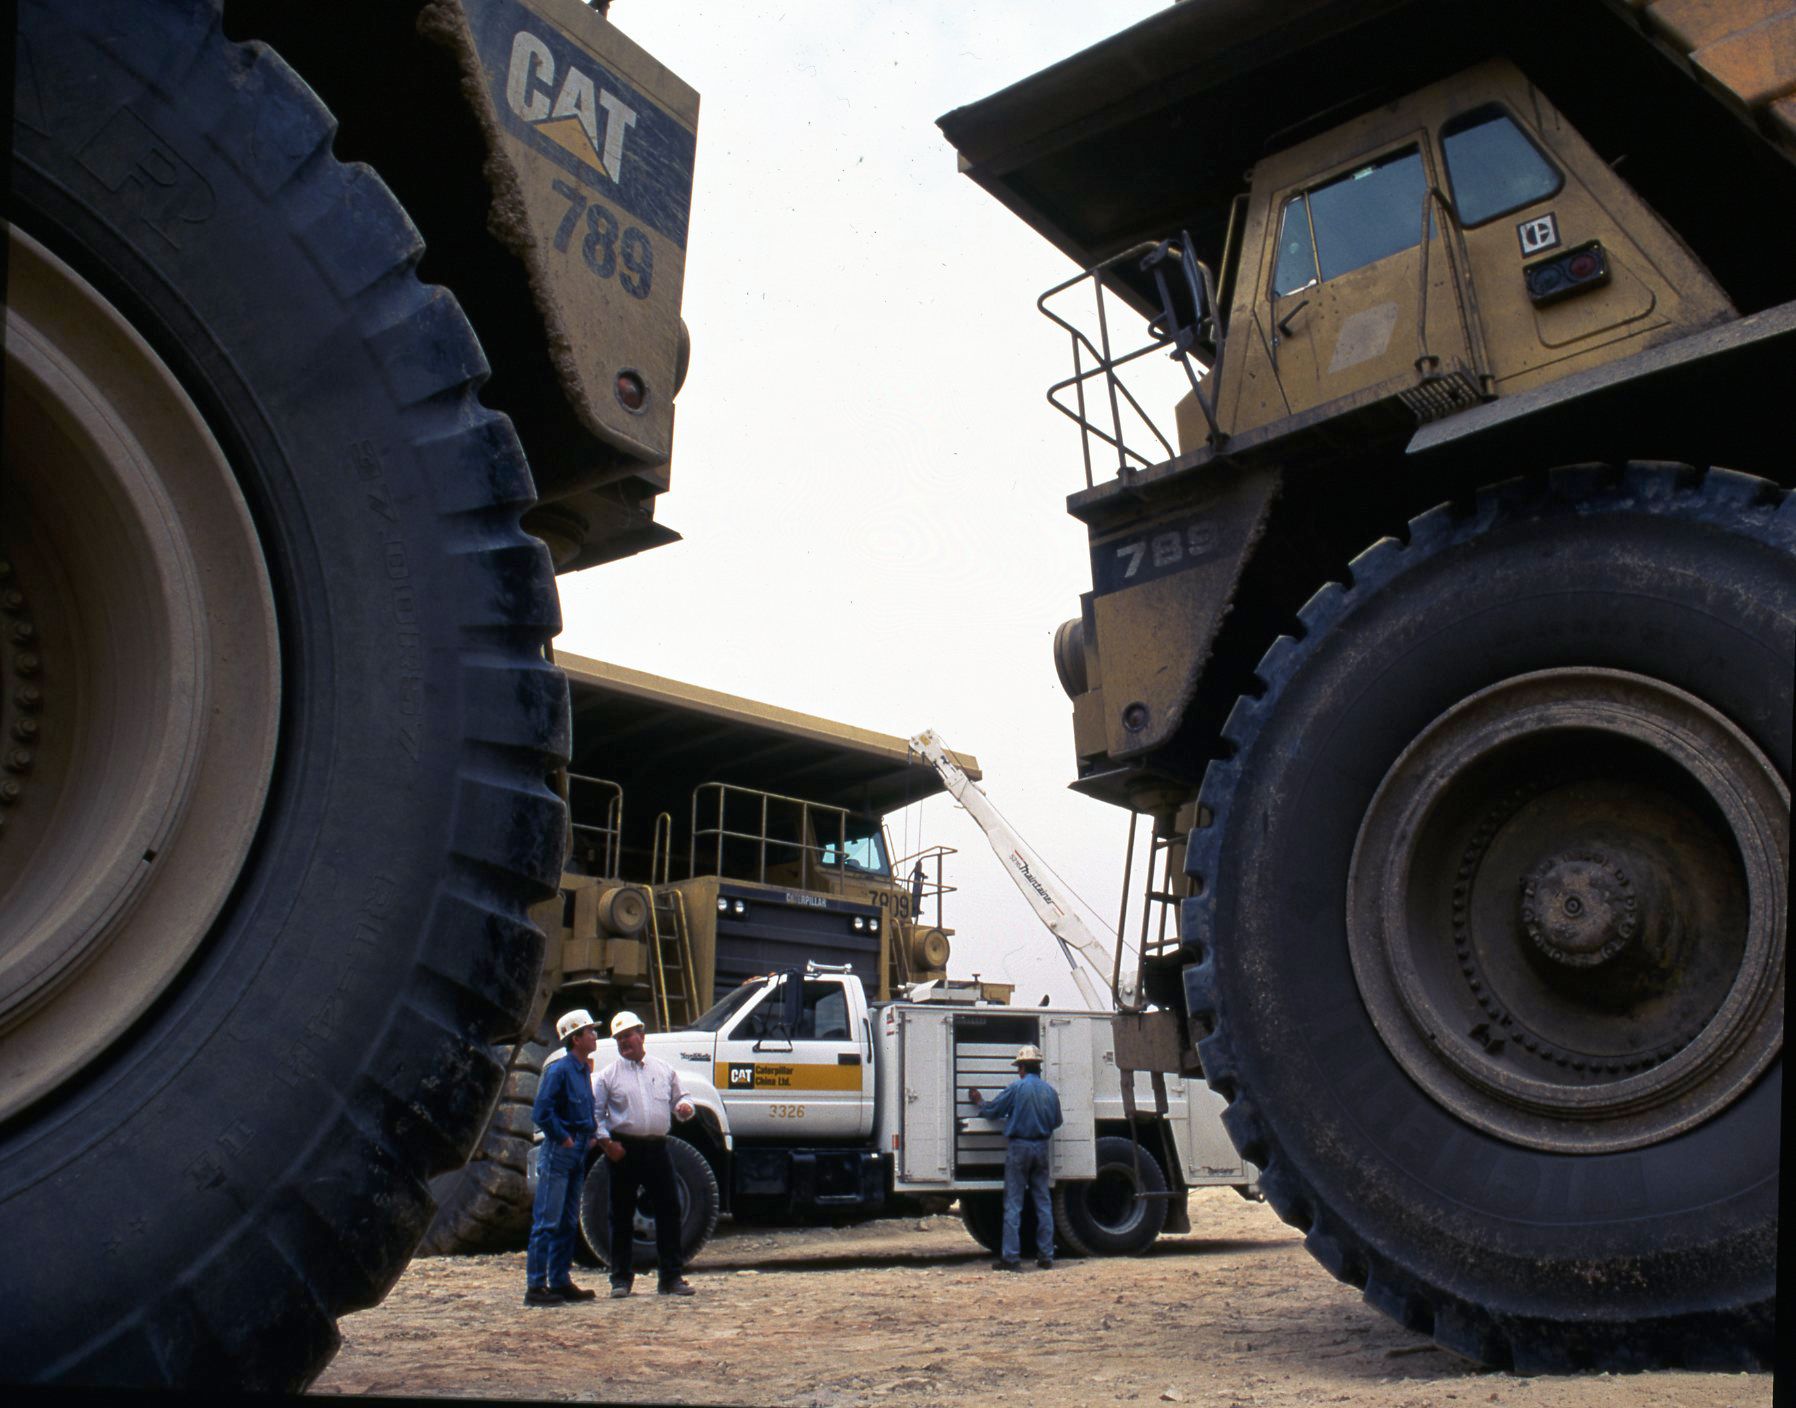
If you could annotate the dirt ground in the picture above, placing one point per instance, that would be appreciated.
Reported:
(908, 1312)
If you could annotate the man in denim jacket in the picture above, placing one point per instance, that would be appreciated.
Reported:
(564, 1113)
(1030, 1109)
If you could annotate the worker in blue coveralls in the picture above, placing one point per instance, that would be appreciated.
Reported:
(1031, 1113)
(564, 1113)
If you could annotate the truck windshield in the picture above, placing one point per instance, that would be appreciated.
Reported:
(732, 1003)
(864, 849)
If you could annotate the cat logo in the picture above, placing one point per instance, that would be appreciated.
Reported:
(742, 1076)
(586, 120)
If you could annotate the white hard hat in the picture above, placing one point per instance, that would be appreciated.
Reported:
(574, 1021)
(623, 1022)
(1028, 1053)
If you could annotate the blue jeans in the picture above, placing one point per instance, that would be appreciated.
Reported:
(561, 1177)
(1026, 1164)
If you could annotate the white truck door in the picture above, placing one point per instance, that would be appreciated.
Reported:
(926, 1092)
(1066, 1049)
(813, 1082)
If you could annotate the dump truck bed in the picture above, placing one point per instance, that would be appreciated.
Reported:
(684, 735)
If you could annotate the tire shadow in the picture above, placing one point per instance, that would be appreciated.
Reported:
(845, 1261)
(898, 1257)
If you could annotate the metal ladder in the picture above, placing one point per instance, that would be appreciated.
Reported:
(671, 990)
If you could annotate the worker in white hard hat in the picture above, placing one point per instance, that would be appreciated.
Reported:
(637, 1098)
(1030, 1109)
(564, 1113)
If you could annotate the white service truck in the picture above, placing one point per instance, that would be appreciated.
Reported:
(811, 1102)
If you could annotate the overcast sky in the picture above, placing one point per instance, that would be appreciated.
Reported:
(869, 483)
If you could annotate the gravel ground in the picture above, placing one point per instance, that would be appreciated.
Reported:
(1232, 1315)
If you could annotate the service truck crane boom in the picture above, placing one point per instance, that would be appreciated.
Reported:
(1027, 870)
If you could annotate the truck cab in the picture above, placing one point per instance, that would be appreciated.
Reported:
(784, 1067)
(1460, 243)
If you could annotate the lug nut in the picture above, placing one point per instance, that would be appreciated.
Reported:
(23, 633)
(18, 760)
(9, 792)
(28, 696)
(24, 729)
(12, 601)
(26, 663)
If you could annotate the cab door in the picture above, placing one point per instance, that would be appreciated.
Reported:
(1358, 299)
(803, 1076)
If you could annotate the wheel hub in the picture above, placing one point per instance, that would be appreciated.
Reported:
(1608, 857)
(1579, 909)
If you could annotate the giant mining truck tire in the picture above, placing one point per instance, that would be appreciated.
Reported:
(485, 1205)
(277, 717)
(1490, 919)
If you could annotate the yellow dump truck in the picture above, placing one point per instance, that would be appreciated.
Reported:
(315, 315)
(715, 839)
(1444, 624)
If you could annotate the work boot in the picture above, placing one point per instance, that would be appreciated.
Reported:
(619, 1289)
(1007, 1266)
(1046, 1263)
(542, 1295)
(675, 1288)
(567, 1290)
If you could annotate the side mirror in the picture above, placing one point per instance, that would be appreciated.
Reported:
(1187, 318)
(791, 1003)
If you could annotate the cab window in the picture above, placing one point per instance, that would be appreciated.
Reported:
(1492, 167)
(1296, 249)
(863, 849)
(1368, 214)
(824, 1017)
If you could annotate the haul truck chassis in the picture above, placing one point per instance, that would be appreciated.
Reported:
(275, 796)
(1441, 643)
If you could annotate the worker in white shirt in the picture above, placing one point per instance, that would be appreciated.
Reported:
(636, 1099)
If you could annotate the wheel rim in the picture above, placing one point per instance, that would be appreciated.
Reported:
(142, 685)
(1566, 910)
(643, 1226)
